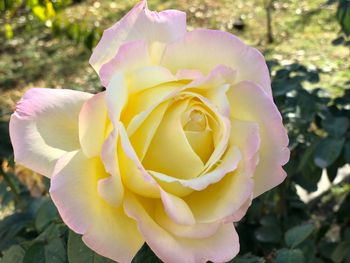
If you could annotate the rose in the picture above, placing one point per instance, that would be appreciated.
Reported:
(184, 137)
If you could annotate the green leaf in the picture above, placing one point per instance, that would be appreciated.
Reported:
(343, 213)
(294, 236)
(39, 12)
(52, 252)
(309, 177)
(8, 31)
(78, 252)
(327, 151)
(47, 213)
(307, 174)
(146, 255)
(340, 251)
(332, 170)
(326, 248)
(10, 228)
(313, 76)
(289, 256)
(338, 41)
(53, 231)
(343, 15)
(14, 254)
(55, 251)
(309, 249)
(336, 126)
(6, 196)
(269, 220)
(347, 152)
(247, 258)
(268, 234)
(307, 156)
(282, 87)
(35, 254)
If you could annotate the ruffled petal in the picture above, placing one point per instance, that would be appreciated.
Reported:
(45, 126)
(250, 103)
(222, 246)
(105, 229)
(139, 24)
(130, 56)
(204, 49)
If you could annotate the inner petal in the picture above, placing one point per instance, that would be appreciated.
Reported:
(170, 151)
(199, 133)
(196, 121)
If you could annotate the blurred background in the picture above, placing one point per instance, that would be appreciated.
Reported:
(47, 43)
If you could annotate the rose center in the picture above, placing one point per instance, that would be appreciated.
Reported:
(197, 121)
(198, 132)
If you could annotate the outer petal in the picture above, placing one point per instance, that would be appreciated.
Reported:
(106, 229)
(250, 103)
(139, 24)
(205, 49)
(130, 56)
(220, 247)
(125, 88)
(240, 213)
(92, 125)
(45, 126)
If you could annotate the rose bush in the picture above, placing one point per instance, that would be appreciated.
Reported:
(184, 137)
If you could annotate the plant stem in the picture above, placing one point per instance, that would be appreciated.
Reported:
(268, 9)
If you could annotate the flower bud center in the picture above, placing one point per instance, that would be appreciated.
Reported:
(197, 121)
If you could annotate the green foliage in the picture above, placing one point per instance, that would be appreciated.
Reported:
(79, 252)
(145, 255)
(289, 256)
(14, 254)
(279, 227)
(52, 252)
(298, 234)
(343, 16)
(47, 12)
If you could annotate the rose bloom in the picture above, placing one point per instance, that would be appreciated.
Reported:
(172, 153)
